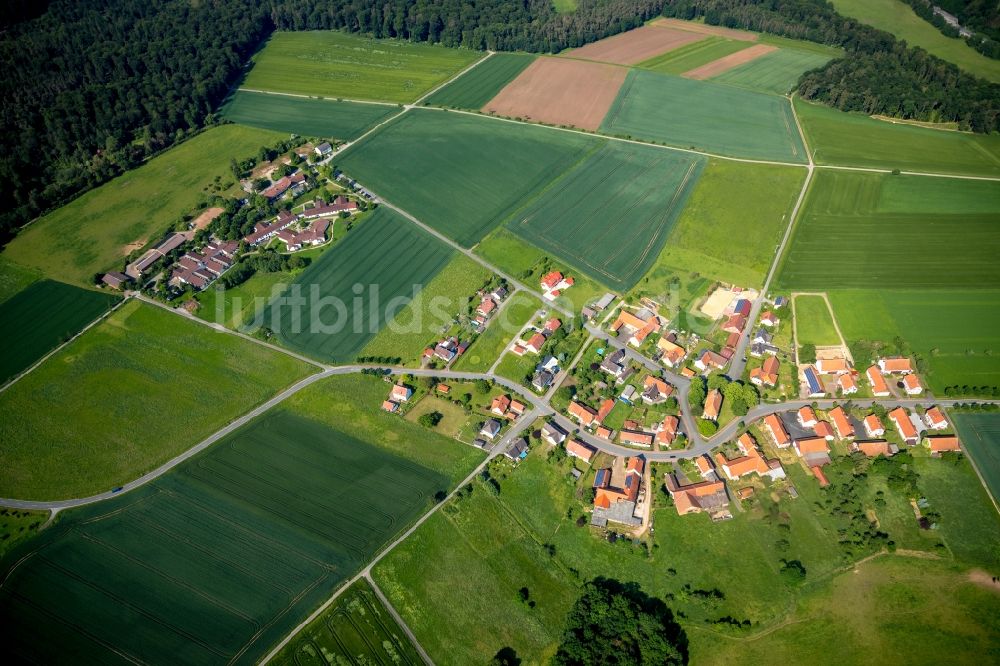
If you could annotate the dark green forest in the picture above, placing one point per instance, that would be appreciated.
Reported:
(94, 87)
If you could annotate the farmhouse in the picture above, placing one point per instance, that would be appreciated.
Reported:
(769, 319)
(939, 444)
(262, 232)
(281, 185)
(708, 496)
(673, 353)
(879, 387)
(320, 208)
(832, 366)
(912, 385)
(582, 413)
(135, 269)
(617, 492)
(901, 420)
(554, 283)
(776, 429)
(766, 374)
(666, 431)
(713, 403)
(636, 438)
(199, 269)
(314, 234)
(115, 280)
(578, 449)
(751, 462)
(934, 419)
(896, 365)
(875, 447)
(841, 423)
(635, 327)
(847, 384)
(873, 426)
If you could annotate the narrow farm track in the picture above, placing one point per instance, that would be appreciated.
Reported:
(399, 620)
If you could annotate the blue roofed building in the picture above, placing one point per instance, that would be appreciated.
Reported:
(814, 385)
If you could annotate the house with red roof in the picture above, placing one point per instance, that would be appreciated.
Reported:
(666, 431)
(901, 420)
(713, 403)
(707, 496)
(776, 429)
(874, 448)
(535, 343)
(847, 384)
(873, 426)
(500, 405)
(582, 413)
(824, 429)
(807, 417)
(710, 359)
(655, 390)
(912, 385)
(841, 423)
(832, 366)
(939, 444)
(896, 365)
(751, 462)
(879, 388)
(934, 419)
(581, 450)
(554, 283)
(604, 409)
(636, 438)
(769, 319)
(767, 373)
(672, 353)
(636, 328)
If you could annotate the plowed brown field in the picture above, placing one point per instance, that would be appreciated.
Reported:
(726, 63)
(634, 46)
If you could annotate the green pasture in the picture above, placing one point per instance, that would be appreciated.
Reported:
(462, 174)
(814, 322)
(862, 229)
(777, 72)
(237, 307)
(954, 330)
(219, 559)
(980, 436)
(480, 84)
(126, 396)
(17, 525)
(14, 278)
(611, 214)
(329, 63)
(694, 55)
(426, 318)
(355, 627)
(499, 334)
(899, 19)
(706, 116)
(305, 116)
(732, 200)
(98, 229)
(42, 317)
(564, 6)
(350, 291)
(854, 139)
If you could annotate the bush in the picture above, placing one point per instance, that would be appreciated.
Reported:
(707, 428)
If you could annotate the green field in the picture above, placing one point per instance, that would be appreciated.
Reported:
(94, 232)
(218, 560)
(564, 6)
(305, 116)
(694, 55)
(732, 200)
(356, 627)
(461, 174)
(350, 291)
(126, 396)
(43, 316)
(237, 306)
(813, 322)
(17, 525)
(335, 64)
(611, 214)
(500, 333)
(704, 116)
(776, 72)
(897, 18)
(980, 435)
(14, 278)
(423, 320)
(479, 85)
(853, 139)
(860, 229)
(956, 331)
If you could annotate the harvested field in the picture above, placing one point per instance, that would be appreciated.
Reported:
(560, 92)
(729, 62)
(704, 29)
(614, 237)
(206, 217)
(634, 46)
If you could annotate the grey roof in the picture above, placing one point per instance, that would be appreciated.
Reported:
(491, 428)
(542, 379)
(605, 301)
(480, 443)
(515, 450)
(619, 512)
(552, 429)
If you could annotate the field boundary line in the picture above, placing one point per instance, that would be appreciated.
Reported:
(926, 174)
(489, 54)
(317, 97)
(399, 620)
(52, 352)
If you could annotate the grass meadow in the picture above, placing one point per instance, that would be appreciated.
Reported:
(126, 396)
(98, 229)
(853, 139)
(305, 116)
(705, 116)
(423, 321)
(813, 322)
(15, 278)
(954, 330)
(335, 64)
(611, 214)
(355, 627)
(43, 316)
(861, 229)
(479, 85)
(732, 200)
(897, 18)
(777, 72)
(461, 174)
(219, 559)
(695, 54)
(500, 333)
(386, 253)
(980, 435)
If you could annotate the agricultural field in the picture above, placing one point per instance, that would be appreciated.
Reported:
(305, 116)
(238, 307)
(328, 63)
(635, 46)
(954, 330)
(751, 202)
(705, 116)
(899, 19)
(350, 290)
(726, 63)
(860, 229)
(355, 627)
(14, 278)
(814, 322)
(980, 435)
(560, 91)
(481, 83)
(126, 396)
(98, 229)
(853, 139)
(777, 72)
(487, 348)
(694, 55)
(614, 237)
(219, 559)
(461, 174)
(43, 316)
(422, 320)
